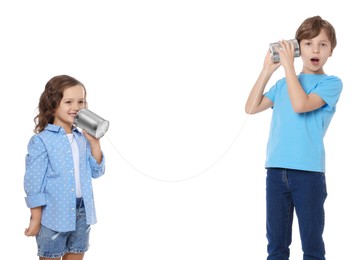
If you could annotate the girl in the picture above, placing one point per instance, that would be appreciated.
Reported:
(60, 165)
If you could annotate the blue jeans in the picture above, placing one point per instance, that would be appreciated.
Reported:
(304, 191)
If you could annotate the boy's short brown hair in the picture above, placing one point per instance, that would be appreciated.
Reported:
(312, 26)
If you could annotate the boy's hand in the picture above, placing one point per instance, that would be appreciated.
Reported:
(269, 65)
(286, 54)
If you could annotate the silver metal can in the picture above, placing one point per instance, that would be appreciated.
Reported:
(274, 50)
(91, 122)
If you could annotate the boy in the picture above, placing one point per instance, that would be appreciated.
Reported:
(303, 106)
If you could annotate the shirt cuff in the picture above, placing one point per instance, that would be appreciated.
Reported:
(36, 200)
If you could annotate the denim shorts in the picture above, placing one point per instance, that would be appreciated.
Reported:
(52, 244)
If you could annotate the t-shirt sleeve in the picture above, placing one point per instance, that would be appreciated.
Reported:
(271, 93)
(329, 89)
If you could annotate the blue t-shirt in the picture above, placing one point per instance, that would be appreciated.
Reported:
(296, 139)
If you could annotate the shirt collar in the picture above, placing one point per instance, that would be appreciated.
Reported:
(57, 128)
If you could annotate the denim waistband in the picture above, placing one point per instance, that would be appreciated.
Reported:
(79, 203)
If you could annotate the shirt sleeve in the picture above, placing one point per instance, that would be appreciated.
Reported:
(271, 93)
(329, 89)
(36, 163)
(97, 169)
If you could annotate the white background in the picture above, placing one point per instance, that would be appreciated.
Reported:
(185, 176)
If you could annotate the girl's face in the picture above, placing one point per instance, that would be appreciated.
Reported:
(315, 53)
(73, 100)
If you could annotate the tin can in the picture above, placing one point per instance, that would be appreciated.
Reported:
(274, 50)
(91, 122)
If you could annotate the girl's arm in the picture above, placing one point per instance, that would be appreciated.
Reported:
(95, 147)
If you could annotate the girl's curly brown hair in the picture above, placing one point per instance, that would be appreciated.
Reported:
(50, 99)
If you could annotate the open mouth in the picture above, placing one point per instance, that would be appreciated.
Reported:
(314, 60)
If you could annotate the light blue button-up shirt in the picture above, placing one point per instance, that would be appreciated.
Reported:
(49, 178)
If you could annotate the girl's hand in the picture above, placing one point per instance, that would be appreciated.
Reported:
(92, 140)
(33, 229)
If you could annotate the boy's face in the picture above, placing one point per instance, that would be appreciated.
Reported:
(315, 53)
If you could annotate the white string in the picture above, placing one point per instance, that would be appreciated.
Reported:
(207, 168)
